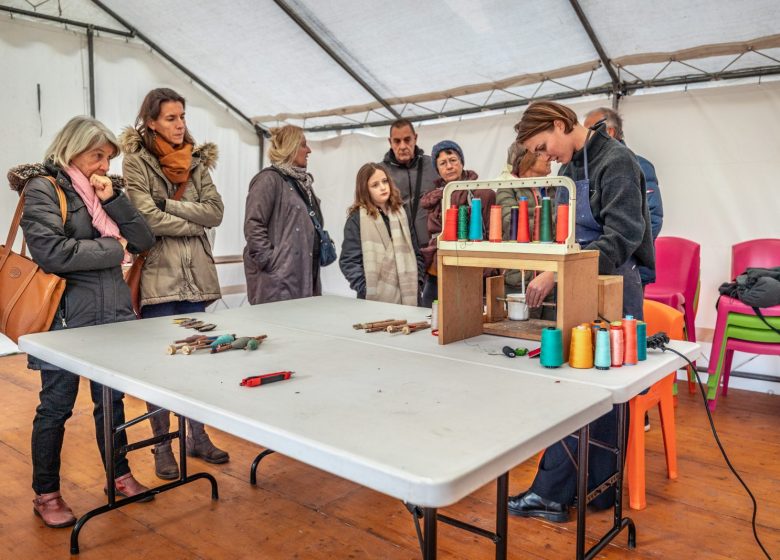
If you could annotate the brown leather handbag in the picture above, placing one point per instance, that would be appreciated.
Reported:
(29, 297)
(133, 274)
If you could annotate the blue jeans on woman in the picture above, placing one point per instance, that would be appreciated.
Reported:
(58, 395)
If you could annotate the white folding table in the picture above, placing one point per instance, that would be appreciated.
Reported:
(423, 429)
(335, 316)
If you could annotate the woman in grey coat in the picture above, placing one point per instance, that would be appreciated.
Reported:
(101, 228)
(282, 252)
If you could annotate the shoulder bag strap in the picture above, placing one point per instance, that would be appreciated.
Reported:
(63, 213)
(299, 190)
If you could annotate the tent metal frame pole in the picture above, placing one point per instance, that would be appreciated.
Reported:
(194, 77)
(331, 53)
(91, 68)
(603, 90)
(617, 90)
(66, 21)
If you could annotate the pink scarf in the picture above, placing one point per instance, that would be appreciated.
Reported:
(102, 221)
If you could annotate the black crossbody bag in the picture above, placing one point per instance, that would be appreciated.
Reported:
(327, 247)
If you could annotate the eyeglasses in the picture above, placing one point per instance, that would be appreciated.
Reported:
(453, 161)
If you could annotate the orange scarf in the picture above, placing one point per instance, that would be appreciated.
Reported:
(175, 162)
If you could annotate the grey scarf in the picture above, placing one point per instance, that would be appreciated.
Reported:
(300, 174)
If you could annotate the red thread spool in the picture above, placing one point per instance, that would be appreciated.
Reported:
(523, 234)
(562, 225)
(537, 222)
(616, 343)
(494, 233)
(450, 224)
(630, 357)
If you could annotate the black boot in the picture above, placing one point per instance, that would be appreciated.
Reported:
(199, 445)
(165, 466)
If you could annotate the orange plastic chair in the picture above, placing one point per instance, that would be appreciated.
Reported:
(659, 317)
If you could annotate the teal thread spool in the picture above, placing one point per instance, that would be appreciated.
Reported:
(552, 348)
(223, 339)
(603, 357)
(641, 340)
(463, 222)
(475, 223)
(545, 229)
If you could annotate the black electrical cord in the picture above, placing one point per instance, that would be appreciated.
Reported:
(661, 344)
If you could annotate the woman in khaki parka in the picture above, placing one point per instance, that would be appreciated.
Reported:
(169, 182)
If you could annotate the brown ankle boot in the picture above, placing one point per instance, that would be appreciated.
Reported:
(127, 486)
(165, 466)
(199, 445)
(53, 510)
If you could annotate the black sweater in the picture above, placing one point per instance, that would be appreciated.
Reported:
(618, 201)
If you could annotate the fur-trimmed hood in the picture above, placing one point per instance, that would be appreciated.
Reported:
(20, 174)
(131, 142)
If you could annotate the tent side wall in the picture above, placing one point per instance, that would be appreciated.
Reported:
(35, 53)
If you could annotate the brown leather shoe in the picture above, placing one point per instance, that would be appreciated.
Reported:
(127, 486)
(202, 447)
(165, 465)
(53, 510)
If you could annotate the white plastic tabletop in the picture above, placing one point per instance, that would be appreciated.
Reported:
(335, 316)
(419, 428)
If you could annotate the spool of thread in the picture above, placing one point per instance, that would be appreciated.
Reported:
(494, 232)
(602, 357)
(450, 224)
(223, 339)
(616, 343)
(435, 314)
(562, 225)
(523, 234)
(545, 232)
(551, 355)
(595, 326)
(629, 341)
(581, 349)
(513, 214)
(641, 341)
(475, 221)
(463, 223)
(537, 222)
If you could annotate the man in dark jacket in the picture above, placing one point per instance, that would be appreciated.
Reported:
(655, 205)
(412, 172)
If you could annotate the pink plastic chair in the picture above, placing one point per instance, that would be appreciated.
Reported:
(677, 270)
(738, 328)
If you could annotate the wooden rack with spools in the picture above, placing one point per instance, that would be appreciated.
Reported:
(460, 265)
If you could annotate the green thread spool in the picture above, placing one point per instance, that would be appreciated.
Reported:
(463, 222)
(641, 340)
(252, 344)
(552, 348)
(545, 229)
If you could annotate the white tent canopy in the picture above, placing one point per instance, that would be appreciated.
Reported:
(715, 148)
(422, 59)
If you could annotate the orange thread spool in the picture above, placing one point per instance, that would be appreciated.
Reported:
(616, 343)
(581, 350)
(630, 357)
(523, 234)
(494, 233)
(450, 224)
(562, 224)
(537, 222)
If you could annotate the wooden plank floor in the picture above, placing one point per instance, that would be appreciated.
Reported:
(299, 512)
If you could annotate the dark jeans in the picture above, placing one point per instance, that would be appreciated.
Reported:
(430, 290)
(58, 395)
(556, 479)
(181, 308)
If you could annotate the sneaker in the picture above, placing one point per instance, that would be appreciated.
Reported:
(647, 422)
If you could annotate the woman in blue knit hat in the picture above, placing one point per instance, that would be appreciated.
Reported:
(448, 160)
